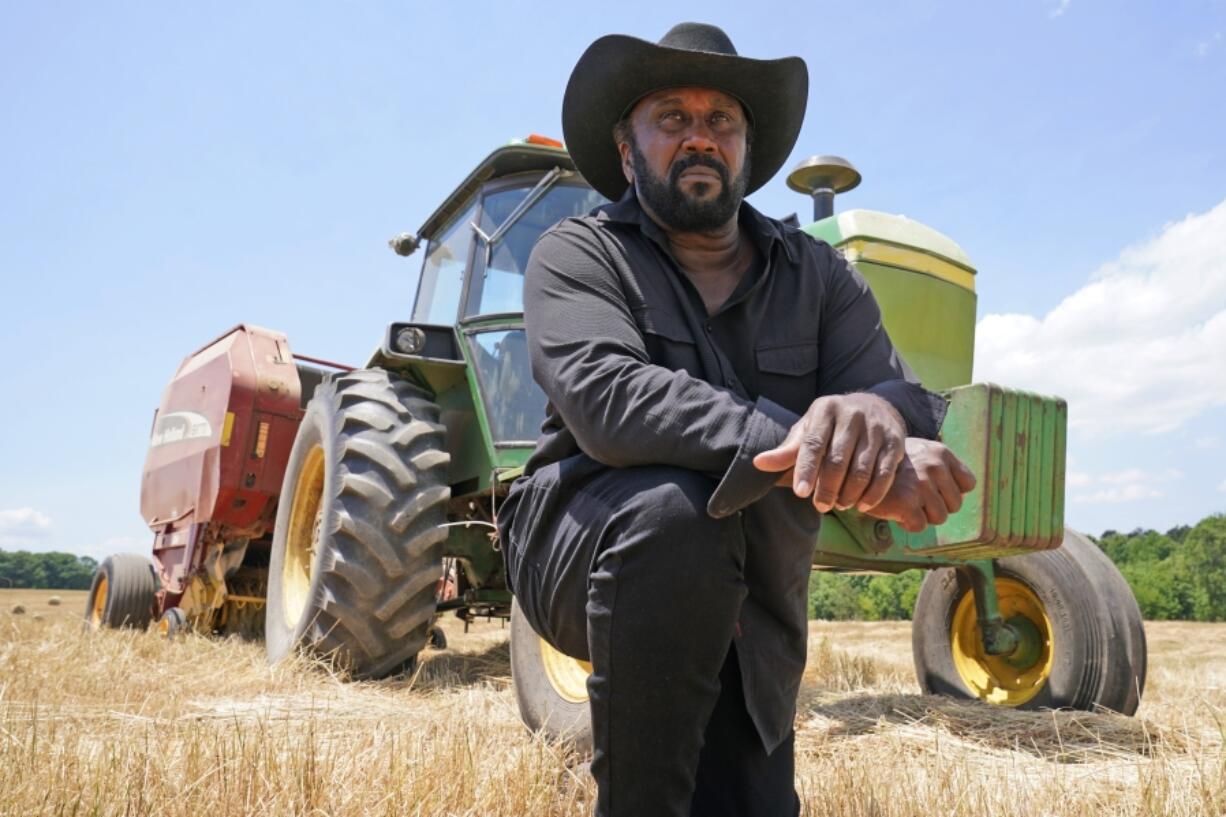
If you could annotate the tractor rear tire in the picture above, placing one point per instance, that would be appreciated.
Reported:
(550, 687)
(358, 537)
(1083, 615)
(122, 593)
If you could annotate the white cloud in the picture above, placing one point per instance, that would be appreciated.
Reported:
(1129, 485)
(1077, 479)
(1202, 49)
(1125, 493)
(20, 526)
(1222, 487)
(1061, 7)
(1207, 443)
(1137, 475)
(1140, 348)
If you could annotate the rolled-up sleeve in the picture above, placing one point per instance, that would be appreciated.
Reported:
(856, 354)
(589, 357)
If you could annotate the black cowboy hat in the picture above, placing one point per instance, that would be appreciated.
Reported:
(617, 71)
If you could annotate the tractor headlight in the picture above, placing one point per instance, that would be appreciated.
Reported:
(410, 340)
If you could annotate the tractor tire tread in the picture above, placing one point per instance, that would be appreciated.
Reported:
(374, 599)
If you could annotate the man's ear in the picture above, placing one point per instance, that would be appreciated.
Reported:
(623, 148)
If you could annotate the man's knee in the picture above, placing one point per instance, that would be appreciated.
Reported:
(666, 520)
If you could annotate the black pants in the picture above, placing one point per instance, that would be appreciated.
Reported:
(625, 568)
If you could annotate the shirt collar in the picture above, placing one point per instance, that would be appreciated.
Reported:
(764, 231)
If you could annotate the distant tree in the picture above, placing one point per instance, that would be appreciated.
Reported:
(1179, 533)
(1164, 590)
(833, 596)
(1204, 551)
(1138, 546)
(52, 571)
(891, 597)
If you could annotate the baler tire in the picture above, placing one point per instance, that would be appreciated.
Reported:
(542, 707)
(173, 624)
(128, 586)
(365, 599)
(1095, 647)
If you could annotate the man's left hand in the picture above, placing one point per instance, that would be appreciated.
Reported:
(844, 452)
(928, 488)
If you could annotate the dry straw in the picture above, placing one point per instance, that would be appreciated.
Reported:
(122, 723)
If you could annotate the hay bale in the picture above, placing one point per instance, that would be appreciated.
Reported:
(54, 601)
(37, 616)
(17, 609)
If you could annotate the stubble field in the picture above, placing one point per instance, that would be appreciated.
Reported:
(124, 723)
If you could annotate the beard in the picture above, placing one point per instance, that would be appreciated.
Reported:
(676, 208)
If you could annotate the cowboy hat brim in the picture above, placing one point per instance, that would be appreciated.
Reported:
(616, 71)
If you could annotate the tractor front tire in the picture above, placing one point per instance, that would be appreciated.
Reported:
(551, 687)
(122, 593)
(1083, 624)
(358, 537)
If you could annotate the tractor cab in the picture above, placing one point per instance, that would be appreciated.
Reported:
(469, 304)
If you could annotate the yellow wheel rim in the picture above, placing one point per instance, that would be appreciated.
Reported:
(567, 676)
(993, 678)
(302, 538)
(99, 605)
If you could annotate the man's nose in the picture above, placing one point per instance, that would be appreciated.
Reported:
(699, 139)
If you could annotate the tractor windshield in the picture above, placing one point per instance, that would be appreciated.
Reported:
(497, 284)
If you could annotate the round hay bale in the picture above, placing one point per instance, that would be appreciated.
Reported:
(17, 609)
(54, 601)
(37, 616)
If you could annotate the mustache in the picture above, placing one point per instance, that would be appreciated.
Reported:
(697, 160)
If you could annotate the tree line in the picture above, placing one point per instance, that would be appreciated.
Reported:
(51, 571)
(1177, 575)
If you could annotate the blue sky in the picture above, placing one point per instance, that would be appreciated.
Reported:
(170, 170)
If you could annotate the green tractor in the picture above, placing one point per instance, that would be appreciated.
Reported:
(398, 468)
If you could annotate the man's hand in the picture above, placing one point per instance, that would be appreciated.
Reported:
(927, 488)
(844, 452)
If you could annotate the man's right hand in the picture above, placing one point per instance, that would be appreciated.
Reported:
(927, 488)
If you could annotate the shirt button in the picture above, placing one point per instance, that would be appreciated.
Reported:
(708, 327)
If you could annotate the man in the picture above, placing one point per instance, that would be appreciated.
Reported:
(700, 359)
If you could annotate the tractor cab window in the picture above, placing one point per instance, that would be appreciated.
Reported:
(442, 277)
(498, 280)
(514, 403)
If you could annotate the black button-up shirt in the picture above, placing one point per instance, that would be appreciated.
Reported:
(637, 373)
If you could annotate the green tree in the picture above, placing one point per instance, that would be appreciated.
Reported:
(53, 571)
(1138, 546)
(1164, 589)
(833, 596)
(1179, 533)
(891, 597)
(1204, 551)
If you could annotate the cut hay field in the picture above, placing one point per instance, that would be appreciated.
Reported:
(123, 723)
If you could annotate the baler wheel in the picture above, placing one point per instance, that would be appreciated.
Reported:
(358, 539)
(551, 687)
(172, 624)
(1082, 640)
(122, 593)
